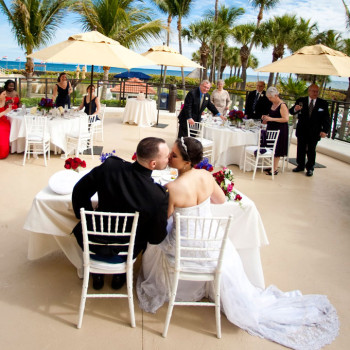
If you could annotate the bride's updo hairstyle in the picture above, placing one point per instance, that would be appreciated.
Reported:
(191, 149)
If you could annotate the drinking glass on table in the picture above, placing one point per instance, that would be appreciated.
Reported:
(65, 108)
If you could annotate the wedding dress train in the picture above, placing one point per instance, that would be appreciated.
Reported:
(305, 322)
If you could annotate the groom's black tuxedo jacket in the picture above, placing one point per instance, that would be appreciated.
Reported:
(310, 127)
(126, 188)
(192, 108)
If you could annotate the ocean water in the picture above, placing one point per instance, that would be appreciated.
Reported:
(61, 67)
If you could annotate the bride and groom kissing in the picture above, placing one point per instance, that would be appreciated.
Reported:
(291, 319)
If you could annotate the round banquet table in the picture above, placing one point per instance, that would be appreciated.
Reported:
(140, 112)
(58, 127)
(229, 143)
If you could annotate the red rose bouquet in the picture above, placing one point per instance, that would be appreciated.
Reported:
(224, 179)
(235, 115)
(74, 163)
(45, 103)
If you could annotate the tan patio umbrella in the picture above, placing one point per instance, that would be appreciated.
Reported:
(166, 56)
(92, 48)
(316, 59)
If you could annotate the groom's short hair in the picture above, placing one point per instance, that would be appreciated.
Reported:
(148, 148)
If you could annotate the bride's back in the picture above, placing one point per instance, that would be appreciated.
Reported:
(191, 188)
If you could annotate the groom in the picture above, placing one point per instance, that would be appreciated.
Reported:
(126, 187)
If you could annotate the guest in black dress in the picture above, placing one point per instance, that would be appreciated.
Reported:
(91, 99)
(277, 119)
(61, 91)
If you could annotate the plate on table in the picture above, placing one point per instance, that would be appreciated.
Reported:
(168, 178)
(63, 181)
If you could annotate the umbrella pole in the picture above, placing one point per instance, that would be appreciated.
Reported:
(91, 82)
(157, 125)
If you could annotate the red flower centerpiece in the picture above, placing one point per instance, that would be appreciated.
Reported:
(74, 164)
(235, 116)
(224, 179)
(46, 104)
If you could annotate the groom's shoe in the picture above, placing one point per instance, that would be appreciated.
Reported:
(297, 169)
(118, 280)
(97, 281)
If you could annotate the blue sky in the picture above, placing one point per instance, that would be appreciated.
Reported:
(328, 14)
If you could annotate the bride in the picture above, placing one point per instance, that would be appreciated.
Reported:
(291, 319)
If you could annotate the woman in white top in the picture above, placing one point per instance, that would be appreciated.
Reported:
(294, 320)
(221, 98)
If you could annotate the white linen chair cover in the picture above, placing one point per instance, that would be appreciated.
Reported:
(199, 251)
(37, 137)
(82, 140)
(196, 130)
(285, 159)
(98, 125)
(254, 157)
(94, 266)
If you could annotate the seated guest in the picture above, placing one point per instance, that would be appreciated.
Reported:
(257, 103)
(91, 99)
(126, 187)
(277, 119)
(5, 125)
(12, 96)
(61, 91)
(221, 98)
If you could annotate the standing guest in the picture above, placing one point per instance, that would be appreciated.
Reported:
(257, 103)
(277, 119)
(62, 91)
(221, 98)
(5, 125)
(91, 98)
(126, 188)
(313, 123)
(12, 96)
(195, 103)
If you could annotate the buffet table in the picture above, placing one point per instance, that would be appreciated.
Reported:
(229, 143)
(140, 112)
(58, 127)
(51, 220)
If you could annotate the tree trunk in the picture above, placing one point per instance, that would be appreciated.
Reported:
(29, 68)
(179, 29)
(105, 79)
(168, 43)
(276, 79)
(220, 61)
(244, 53)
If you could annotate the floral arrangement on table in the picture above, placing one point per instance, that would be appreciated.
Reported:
(134, 156)
(74, 164)
(104, 156)
(46, 104)
(235, 115)
(204, 164)
(224, 179)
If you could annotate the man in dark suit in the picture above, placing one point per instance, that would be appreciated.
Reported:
(257, 104)
(196, 101)
(313, 123)
(126, 188)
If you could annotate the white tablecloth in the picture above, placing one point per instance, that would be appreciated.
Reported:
(58, 128)
(51, 220)
(140, 112)
(229, 143)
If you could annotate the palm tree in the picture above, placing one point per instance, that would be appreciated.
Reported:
(303, 35)
(232, 58)
(244, 34)
(128, 23)
(34, 24)
(347, 12)
(330, 38)
(201, 31)
(263, 5)
(167, 7)
(295, 88)
(225, 20)
(279, 33)
(183, 8)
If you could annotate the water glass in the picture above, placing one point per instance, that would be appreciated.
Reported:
(65, 108)
(24, 109)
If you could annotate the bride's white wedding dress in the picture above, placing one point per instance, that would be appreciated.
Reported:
(291, 319)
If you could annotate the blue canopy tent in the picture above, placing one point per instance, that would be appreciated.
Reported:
(128, 74)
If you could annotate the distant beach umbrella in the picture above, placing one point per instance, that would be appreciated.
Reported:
(315, 59)
(129, 74)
